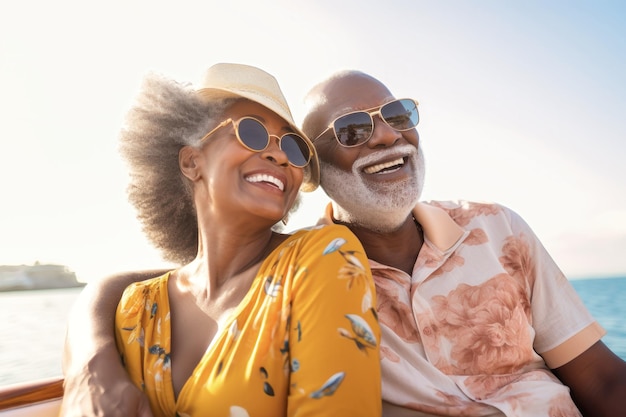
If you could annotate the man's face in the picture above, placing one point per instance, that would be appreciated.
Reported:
(384, 174)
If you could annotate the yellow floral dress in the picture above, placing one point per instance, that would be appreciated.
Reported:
(303, 341)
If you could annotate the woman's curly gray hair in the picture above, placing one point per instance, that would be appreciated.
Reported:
(166, 116)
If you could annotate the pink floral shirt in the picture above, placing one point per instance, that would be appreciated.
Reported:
(485, 314)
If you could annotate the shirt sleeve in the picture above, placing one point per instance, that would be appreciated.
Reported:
(564, 326)
(334, 334)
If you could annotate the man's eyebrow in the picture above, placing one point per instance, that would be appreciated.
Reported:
(352, 109)
(338, 113)
(344, 110)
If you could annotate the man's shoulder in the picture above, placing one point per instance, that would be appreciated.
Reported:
(461, 211)
(467, 205)
(461, 204)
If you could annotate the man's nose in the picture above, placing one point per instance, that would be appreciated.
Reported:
(383, 135)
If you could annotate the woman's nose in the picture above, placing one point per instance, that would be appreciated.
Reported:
(274, 153)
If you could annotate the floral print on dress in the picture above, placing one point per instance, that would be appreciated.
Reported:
(330, 386)
(305, 331)
(361, 333)
(353, 271)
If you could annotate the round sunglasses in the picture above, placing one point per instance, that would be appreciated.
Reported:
(253, 135)
(356, 128)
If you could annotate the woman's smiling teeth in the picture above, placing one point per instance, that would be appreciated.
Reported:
(373, 169)
(268, 179)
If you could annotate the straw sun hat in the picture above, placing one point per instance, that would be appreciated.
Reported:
(238, 80)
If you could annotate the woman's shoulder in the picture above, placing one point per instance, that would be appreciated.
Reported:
(324, 229)
(148, 288)
(141, 300)
(318, 241)
(322, 232)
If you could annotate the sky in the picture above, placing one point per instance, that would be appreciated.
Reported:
(521, 103)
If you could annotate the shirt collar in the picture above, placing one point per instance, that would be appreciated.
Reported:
(438, 226)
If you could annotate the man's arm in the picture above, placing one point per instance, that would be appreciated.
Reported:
(95, 380)
(597, 380)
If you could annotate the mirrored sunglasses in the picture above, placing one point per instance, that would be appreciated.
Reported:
(356, 128)
(253, 135)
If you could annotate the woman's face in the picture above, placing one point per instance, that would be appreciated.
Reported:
(235, 181)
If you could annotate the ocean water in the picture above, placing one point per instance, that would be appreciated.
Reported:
(32, 330)
(606, 299)
(32, 325)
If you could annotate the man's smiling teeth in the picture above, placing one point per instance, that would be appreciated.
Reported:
(266, 178)
(379, 167)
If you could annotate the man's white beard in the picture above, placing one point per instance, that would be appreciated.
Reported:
(380, 207)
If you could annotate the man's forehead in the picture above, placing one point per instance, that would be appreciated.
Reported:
(353, 93)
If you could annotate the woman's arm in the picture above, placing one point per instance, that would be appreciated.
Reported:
(95, 381)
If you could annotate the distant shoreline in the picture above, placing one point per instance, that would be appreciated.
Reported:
(41, 288)
(596, 277)
(37, 277)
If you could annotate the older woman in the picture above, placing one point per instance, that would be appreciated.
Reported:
(255, 322)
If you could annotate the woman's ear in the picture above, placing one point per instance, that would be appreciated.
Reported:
(188, 160)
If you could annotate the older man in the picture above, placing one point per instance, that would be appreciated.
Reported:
(477, 319)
